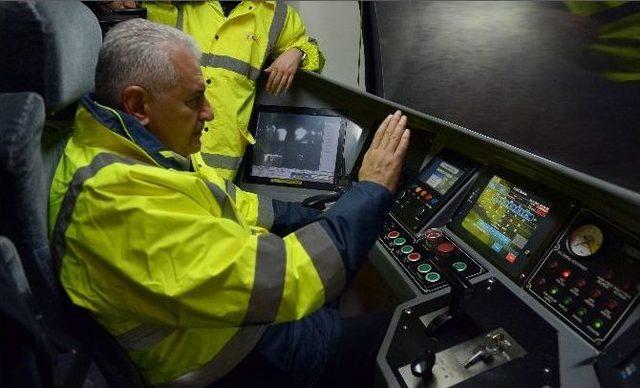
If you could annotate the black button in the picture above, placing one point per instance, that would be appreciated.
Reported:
(217, 37)
(208, 81)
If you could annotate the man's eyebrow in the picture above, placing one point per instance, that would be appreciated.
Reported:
(197, 93)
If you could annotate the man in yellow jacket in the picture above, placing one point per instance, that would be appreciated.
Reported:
(198, 280)
(237, 40)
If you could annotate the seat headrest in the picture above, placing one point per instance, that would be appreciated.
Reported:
(48, 47)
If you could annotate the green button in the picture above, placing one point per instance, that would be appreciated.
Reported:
(459, 266)
(553, 290)
(432, 277)
(424, 268)
(400, 241)
(597, 324)
(581, 312)
(406, 249)
(567, 301)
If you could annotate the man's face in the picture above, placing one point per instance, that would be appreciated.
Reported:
(177, 115)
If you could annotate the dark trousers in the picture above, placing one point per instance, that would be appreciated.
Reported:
(321, 350)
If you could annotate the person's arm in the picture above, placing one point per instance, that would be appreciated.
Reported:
(162, 255)
(293, 49)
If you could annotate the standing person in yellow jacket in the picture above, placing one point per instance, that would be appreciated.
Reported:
(237, 40)
(198, 280)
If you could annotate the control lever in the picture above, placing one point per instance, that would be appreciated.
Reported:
(320, 201)
(422, 366)
(461, 289)
(493, 345)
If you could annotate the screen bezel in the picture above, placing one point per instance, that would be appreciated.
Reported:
(539, 241)
(339, 175)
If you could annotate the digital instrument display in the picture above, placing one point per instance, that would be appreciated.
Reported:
(303, 146)
(505, 217)
(441, 176)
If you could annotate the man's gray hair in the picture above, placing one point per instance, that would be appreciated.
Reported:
(138, 52)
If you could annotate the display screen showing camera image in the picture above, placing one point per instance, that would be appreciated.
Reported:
(296, 146)
(440, 176)
(505, 217)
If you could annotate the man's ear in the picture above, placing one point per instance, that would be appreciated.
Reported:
(134, 102)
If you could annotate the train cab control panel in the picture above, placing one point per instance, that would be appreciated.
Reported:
(590, 277)
(418, 201)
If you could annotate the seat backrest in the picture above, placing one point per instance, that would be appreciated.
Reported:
(49, 48)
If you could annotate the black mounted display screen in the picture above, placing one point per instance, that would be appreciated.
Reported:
(297, 146)
(507, 222)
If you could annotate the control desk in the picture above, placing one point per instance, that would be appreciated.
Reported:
(552, 281)
(508, 269)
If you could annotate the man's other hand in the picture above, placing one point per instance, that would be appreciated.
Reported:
(383, 160)
(282, 71)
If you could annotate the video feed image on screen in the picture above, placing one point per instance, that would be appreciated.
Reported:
(504, 218)
(296, 146)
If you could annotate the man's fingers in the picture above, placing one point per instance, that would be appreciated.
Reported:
(281, 84)
(396, 133)
(289, 82)
(272, 76)
(390, 130)
(401, 150)
(377, 138)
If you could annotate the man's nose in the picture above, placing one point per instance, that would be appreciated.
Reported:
(206, 113)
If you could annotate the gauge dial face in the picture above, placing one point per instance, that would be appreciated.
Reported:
(586, 240)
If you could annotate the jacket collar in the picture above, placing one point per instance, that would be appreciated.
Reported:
(128, 127)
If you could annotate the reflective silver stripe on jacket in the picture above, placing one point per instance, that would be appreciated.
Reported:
(229, 356)
(231, 189)
(180, 19)
(277, 24)
(222, 161)
(265, 212)
(143, 337)
(325, 256)
(268, 281)
(230, 63)
(223, 201)
(58, 243)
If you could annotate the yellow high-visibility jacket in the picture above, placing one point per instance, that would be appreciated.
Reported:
(177, 264)
(235, 49)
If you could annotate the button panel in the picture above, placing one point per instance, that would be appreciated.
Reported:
(592, 294)
(415, 259)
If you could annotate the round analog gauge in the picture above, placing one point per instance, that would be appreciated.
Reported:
(586, 240)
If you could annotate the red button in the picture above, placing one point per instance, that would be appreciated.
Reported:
(553, 264)
(612, 304)
(596, 293)
(445, 249)
(541, 281)
(393, 234)
(581, 283)
(608, 274)
(415, 256)
(566, 273)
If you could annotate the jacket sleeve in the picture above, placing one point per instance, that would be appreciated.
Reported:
(294, 35)
(355, 221)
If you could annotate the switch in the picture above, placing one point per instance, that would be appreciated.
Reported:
(415, 256)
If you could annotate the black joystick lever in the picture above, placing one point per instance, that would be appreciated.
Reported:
(422, 366)
(461, 289)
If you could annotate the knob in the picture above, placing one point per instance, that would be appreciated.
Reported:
(445, 249)
(423, 365)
